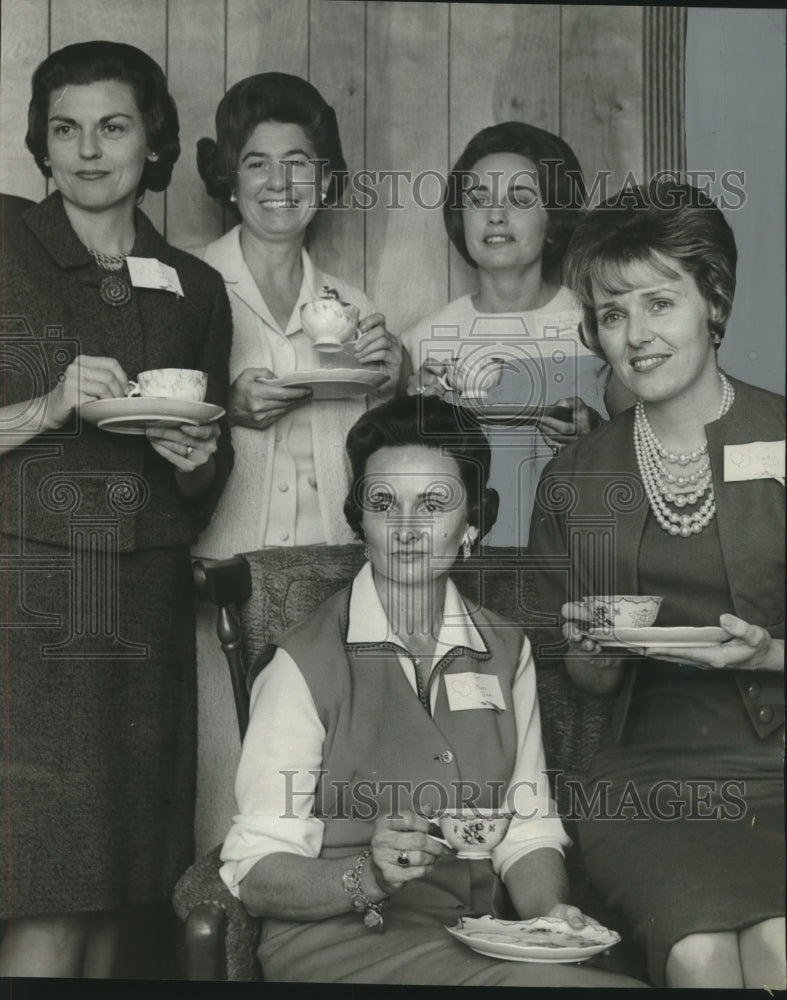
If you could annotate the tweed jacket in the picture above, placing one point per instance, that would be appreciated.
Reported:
(595, 483)
(51, 312)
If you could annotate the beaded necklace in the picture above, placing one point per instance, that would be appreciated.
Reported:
(682, 489)
(114, 289)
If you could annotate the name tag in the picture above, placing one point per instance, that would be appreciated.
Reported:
(755, 460)
(471, 690)
(147, 272)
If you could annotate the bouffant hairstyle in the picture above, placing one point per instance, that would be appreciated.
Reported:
(659, 225)
(269, 97)
(560, 183)
(433, 423)
(91, 62)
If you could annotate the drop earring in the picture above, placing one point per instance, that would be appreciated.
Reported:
(468, 540)
(366, 550)
(233, 198)
(153, 157)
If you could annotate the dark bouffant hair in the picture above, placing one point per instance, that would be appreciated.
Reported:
(560, 183)
(269, 97)
(433, 423)
(662, 224)
(90, 62)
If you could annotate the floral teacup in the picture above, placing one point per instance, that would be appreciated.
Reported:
(329, 323)
(622, 610)
(170, 383)
(473, 832)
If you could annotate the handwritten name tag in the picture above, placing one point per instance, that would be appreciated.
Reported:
(471, 690)
(754, 460)
(147, 272)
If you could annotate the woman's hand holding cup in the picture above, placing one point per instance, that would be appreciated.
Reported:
(557, 433)
(575, 628)
(376, 345)
(255, 403)
(428, 380)
(86, 379)
(402, 850)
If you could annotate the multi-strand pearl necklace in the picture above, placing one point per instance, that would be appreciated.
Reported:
(664, 488)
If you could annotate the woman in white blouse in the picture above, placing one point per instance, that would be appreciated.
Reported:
(356, 737)
(276, 161)
(513, 198)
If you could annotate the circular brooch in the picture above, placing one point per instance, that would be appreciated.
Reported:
(115, 290)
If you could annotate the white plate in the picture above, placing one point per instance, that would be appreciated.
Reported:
(542, 939)
(333, 383)
(512, 414)
(132, 414)
(660, 638)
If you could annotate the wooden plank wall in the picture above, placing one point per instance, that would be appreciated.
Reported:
(411, 82)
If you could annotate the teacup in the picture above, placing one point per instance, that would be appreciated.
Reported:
(473, 832)
(170, 383)
(622, 610)
(329, 323)
(472, 377)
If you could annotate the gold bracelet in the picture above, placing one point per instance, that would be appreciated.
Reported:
(351, 881)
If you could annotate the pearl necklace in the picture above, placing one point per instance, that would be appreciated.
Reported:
(659, 482)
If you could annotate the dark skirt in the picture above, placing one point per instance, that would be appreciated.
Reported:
(98, 728)
(687, 839)
(414, 948)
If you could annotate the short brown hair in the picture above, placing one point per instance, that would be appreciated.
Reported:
(90, 62)
(653, 224)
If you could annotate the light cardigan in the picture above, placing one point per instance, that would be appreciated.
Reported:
(241, 520)
(286, 736)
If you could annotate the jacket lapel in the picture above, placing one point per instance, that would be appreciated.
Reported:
(226, 256)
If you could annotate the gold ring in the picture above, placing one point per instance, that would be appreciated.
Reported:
(189, 450)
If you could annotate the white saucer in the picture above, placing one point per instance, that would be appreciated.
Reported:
(659, 638)
(132, 414)
(333, 383)
(512, 414)
(542, 939)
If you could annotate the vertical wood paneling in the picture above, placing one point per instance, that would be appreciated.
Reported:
(663, 48)
(521, 82)
(407, 129)
(195, 32)
(23, 46)
(265, 35)
(602, 90)
(142, 23)
(337, 49)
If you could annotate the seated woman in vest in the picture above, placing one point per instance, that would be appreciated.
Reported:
(355, 739)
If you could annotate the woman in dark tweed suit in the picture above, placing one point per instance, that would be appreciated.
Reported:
(98, 740)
